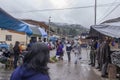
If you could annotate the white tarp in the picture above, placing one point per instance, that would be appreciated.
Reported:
(108, 29)
(44, 34)
(113, 23)
(37, 31)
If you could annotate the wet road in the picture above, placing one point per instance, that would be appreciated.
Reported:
(5, 74)
(70, 71)
(63, 70)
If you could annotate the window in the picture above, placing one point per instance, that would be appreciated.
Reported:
(3, 29)
(8, 37)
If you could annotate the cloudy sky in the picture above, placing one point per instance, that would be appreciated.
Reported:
(41, 10)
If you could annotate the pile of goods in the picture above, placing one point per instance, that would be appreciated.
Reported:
(53, 59)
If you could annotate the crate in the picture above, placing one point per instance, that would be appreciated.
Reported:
(112, 72)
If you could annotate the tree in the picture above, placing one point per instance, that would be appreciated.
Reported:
(58, 30)
(72, 32)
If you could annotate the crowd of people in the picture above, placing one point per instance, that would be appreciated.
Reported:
(100, 55)
(35, 60)
(70, 46)
(37, 56)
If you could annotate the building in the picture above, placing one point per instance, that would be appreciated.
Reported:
(38, 23)
(11, 36)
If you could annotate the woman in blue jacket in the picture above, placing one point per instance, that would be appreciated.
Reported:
(35, 64)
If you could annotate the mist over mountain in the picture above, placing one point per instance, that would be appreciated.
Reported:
(67, 29)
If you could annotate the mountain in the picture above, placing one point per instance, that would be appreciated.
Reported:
(67, 29)
(60, 28)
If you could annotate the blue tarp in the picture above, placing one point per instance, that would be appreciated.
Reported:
(53, 39)
(10, 23)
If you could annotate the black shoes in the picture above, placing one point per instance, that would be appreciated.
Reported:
(80, 58)
(97, 67)
(104, 76)
(90, 63)
(93, 65)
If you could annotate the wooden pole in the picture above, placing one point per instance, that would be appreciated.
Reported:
(95, 9)
(49, 28)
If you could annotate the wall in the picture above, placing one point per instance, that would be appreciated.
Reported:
(15, 37)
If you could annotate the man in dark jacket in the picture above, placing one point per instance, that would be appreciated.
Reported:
(106, 58)
(93, 52)
(16, 49)
(68, 50)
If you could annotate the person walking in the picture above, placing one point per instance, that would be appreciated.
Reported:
(77, 51)
(16, 50)
(11, 49)
(35, 64)
(59, 51)
(68, 50)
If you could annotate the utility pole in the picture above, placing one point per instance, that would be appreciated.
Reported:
(49, 28)
(95, 9)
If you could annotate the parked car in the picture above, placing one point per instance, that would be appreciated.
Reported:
(4, 46)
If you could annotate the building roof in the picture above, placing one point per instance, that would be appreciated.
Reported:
(39, 23)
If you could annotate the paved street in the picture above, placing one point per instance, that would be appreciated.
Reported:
(70, 71)
(63, 70)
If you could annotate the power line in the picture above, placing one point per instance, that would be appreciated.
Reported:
(71, 8)
(109, 12)
(71, 2)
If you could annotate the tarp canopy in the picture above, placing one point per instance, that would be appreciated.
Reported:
(106, 29)
(44, 34)
(113, 23)
(37, 31)
(10, 23)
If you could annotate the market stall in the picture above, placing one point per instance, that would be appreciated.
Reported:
(112, 31)
(106, 30)
(10, 23)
